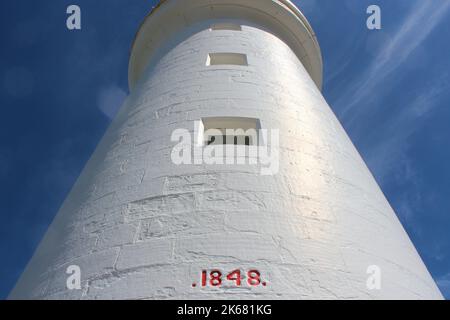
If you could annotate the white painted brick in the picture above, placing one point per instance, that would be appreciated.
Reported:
(143, 228)
(238, 247)
(92, 265)
(151, 253)
(117, 236)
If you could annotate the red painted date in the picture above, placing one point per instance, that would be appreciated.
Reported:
(216, 278)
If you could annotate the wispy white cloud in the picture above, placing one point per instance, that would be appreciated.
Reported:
(110, 100)
(388, 154)
(417, 26)
(400, 124)
(389, 157)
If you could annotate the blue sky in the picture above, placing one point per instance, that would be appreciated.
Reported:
(59, 90)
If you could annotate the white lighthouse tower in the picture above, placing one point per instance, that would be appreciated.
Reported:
(140, 225)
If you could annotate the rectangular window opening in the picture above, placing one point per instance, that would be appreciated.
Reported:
(226, 26)
(224, 58)
(237, 140)
(236, 131)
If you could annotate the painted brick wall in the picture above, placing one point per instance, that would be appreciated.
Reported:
(141, 227)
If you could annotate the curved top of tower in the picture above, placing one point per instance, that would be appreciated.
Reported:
(280, 17)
